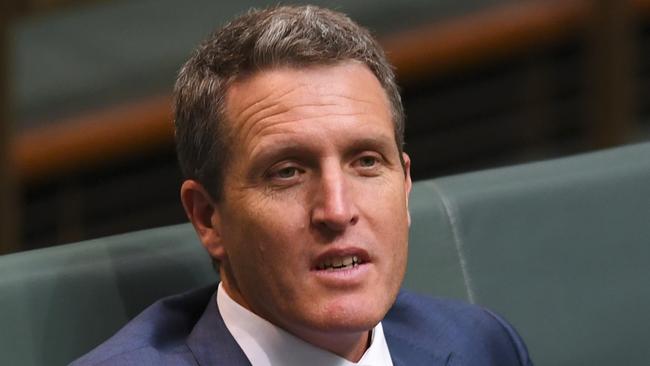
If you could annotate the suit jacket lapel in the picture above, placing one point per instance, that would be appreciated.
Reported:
(405, 350)
(211, 343)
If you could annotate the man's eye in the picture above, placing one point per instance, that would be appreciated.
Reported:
(368, 161)
(286, 173)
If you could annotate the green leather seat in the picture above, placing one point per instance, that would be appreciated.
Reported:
(60, 302)
(561, 248)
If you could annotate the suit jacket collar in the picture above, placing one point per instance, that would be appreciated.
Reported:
(405, 350)
(211, 343)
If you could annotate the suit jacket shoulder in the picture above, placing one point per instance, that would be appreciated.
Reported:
(449, 332)
(187, 329)
(157, 336)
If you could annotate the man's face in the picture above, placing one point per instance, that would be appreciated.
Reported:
(313, 219)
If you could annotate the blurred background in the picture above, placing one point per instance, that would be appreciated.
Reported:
(86, 147)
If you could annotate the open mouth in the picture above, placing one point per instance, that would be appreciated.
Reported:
(339, 263)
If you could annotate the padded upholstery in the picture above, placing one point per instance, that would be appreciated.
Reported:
(58, 303)
(561, 248)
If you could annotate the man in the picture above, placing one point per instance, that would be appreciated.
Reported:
(289, 130)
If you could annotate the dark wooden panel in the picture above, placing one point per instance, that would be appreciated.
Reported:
(8, 196)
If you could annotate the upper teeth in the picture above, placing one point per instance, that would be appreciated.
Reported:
(339, 262)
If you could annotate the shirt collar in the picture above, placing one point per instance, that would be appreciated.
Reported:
(266, 344)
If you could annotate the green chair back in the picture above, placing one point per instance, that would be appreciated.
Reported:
(560, 247)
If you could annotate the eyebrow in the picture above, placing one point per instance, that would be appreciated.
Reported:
(382, 144)
(373, 143)
(292, 148)
(265, 157)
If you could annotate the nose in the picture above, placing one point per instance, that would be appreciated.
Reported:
(333, 205)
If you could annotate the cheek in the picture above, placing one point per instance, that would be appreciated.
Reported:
(386, 207)
(265, 230)
(387, 214)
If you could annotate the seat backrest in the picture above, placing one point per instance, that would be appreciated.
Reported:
(561, 248)
(60, 302)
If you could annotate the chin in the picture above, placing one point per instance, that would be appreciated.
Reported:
(352, 314)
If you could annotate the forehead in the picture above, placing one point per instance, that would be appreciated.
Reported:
(328, 92)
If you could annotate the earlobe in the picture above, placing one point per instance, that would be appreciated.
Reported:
(202, 212)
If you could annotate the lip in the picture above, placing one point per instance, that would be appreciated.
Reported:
(342, 278)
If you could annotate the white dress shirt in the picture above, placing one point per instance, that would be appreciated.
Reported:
(268, 345)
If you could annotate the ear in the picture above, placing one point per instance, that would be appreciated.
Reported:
(202, 211)
(407, 183)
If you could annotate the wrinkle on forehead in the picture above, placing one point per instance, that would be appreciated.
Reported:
(244, 115)
(275, 114)
(267, 102)
(239, 119)
(275, 85)
(278, 121)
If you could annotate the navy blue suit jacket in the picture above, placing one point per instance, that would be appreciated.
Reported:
(182, 330)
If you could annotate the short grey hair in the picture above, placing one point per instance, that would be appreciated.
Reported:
(294, 36)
